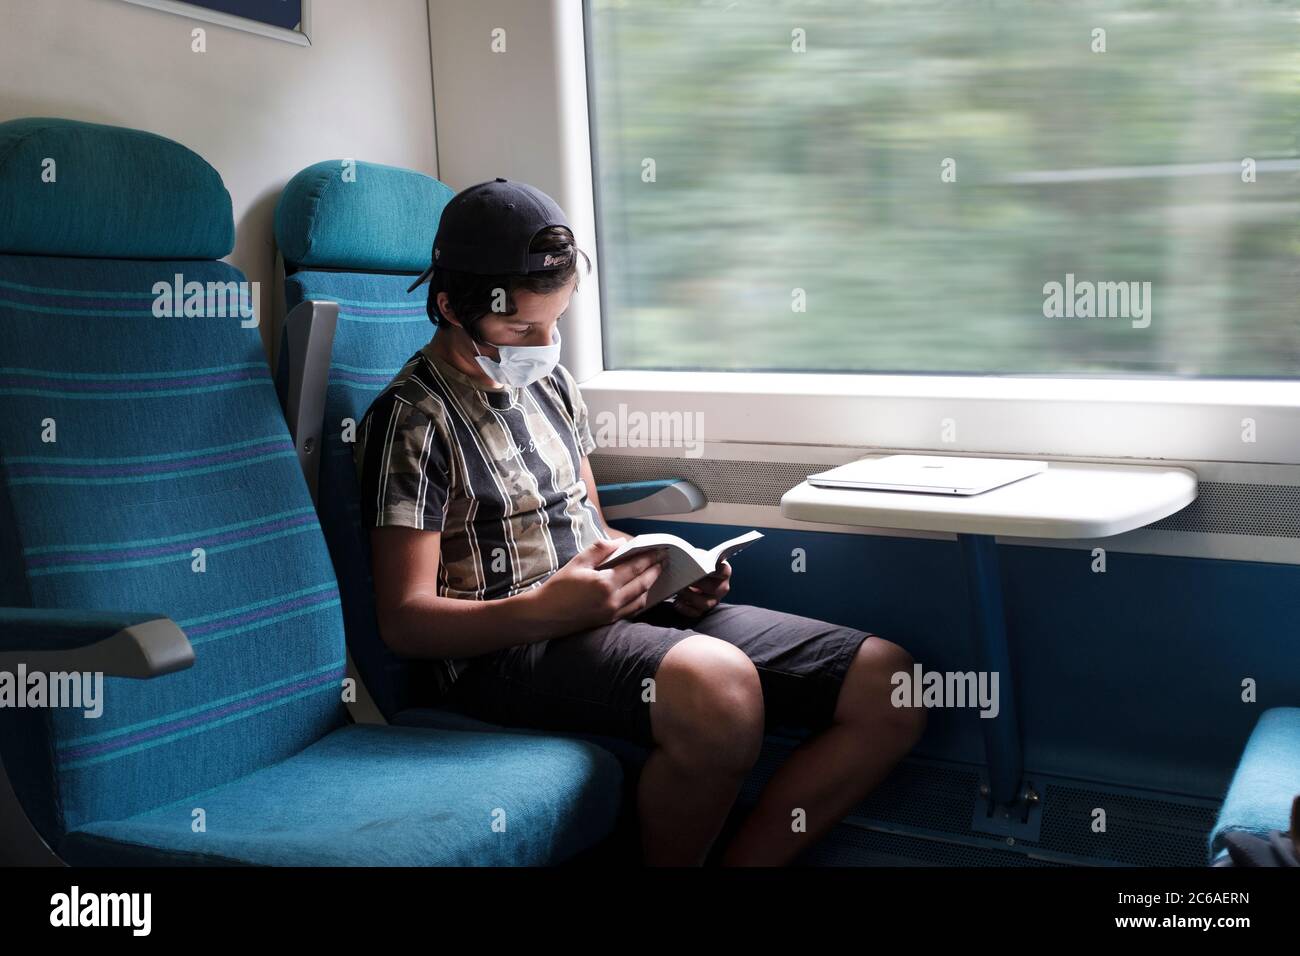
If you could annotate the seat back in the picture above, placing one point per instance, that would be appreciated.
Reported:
(145, 466)
(357, 234)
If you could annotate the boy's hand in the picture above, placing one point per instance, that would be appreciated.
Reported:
(580, 595)
(703, 596)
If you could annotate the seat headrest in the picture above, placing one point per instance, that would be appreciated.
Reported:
(92, 191)
(340, 214)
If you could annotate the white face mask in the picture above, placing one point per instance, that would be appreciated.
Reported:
(521, 365)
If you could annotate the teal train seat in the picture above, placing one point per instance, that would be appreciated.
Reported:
(1265, 783)
(155, 527)
(352, 237)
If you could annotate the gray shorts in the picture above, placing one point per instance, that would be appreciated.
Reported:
(592, 681)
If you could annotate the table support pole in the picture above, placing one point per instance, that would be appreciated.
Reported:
(989, 629)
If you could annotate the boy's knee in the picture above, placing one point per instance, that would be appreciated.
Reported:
(709, 705)
(870, 700)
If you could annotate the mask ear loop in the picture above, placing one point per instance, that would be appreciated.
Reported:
(503, 386)
(473, 340)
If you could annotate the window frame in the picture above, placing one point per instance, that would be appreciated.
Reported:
(1201, 419)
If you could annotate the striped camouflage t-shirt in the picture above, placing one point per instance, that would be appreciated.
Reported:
(497, 471)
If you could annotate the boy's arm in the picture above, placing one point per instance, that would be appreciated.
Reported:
(415, 621)
(586, 445)
(591, 493)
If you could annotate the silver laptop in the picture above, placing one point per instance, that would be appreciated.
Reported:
(931, 474)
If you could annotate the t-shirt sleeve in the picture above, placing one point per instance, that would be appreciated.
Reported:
(402, 467)
(581, 421)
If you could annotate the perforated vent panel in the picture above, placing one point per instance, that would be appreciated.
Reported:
(851, 846)
(1140, 831)
(922, 814)
(1239, 509)
(735, 482)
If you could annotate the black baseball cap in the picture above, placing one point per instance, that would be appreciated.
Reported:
(488, 227)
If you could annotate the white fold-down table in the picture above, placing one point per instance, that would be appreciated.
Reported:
(1068, 500)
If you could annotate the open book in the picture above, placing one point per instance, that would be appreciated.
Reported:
(686, 563)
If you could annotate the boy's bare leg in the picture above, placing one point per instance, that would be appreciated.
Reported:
(707, 720)
(831, 771)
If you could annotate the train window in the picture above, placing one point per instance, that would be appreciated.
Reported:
(902, 186)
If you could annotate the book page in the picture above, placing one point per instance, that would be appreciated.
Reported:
(729, 548)
(646, 542)
(682, 569)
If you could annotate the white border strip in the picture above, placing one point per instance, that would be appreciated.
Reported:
(1121, 420)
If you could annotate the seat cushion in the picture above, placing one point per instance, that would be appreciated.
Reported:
(631, 755)
(370, 795)
(342, 214)
(1266, 781)
(92, 191)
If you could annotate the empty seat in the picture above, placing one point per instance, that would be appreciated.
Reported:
(1266, 781)
(391, 796)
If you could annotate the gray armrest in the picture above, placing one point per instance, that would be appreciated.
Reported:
(115, 644)
(645, 499)
(309, 339)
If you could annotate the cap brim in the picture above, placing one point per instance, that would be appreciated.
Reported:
(424, 276)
